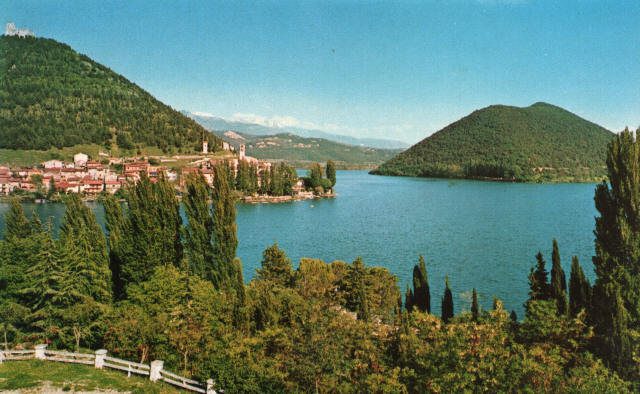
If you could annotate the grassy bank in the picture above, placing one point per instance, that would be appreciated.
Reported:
(36, 375)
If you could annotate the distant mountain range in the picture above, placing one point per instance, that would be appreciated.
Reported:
(302, 151)
(541, 142)
(52, 97)
(218, 123)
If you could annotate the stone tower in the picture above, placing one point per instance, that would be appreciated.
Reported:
(205, 146)
(242, 151)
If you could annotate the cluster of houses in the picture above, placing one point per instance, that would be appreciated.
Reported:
(81, 176)
(92, 177)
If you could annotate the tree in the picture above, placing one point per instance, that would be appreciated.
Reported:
(16, 223)
(421, 292)
(153, 230)
(358, 300)
(538, 283)
(616, 292)
(224, 239)
(558, 281)
(199, 229)
(579, 289)
(84, 249)
(315, 175)
(330, 170)
(116, 232)
(408, 299)
(475, 308)
(447, 302)
(276, 266)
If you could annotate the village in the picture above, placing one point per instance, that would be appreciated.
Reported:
(91, 177)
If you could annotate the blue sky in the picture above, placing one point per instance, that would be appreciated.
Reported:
(398, 70)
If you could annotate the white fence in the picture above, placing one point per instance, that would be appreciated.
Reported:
(100, 360)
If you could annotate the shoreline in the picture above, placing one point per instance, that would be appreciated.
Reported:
(283, 199)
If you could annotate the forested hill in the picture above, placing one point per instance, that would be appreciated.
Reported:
(539, 142)
(52, 96)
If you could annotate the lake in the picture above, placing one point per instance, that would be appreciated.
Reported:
(480, 234)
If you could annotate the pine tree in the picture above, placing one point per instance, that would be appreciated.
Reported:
(616, 292)
(330, 170)
(558, 281)
(579, 289)
(276, 266)
(45, 295)
(447, 302)
(16, 223)
(421, 292)
(475, 307)
(199, 230)
(225, 241)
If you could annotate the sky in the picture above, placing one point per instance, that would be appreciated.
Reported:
(397, 70)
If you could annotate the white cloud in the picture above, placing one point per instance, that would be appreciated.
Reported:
(204, 114)
(274, 121)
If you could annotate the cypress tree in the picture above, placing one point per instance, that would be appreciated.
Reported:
(153, 230)
(538, 282)
(579, 289)
(475, 307)
(225, 241)
(330, 170)
(421, 292)
(84, 247)
(199, 230)
(447, 302)
(359, 301)
(558, 281)
(616, 292)
(408, 299)
(116, 228)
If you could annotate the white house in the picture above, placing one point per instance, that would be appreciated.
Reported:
(80, 159)
(53, 164)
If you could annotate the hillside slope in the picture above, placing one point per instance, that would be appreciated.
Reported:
(52, 96)
(541, 142)
(217, 123)
(301, 151)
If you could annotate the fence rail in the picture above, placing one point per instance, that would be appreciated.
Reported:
(100, 360)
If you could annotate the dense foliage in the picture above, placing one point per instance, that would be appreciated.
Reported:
(320, 327)
(52, 96)
(540, 142)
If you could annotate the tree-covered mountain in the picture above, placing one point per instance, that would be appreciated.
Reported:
(52, 96)
(218, 123)
(539, 142)
(301, 151)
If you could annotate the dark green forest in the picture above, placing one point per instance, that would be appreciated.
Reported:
(52, 96)
(541, 142)
(157, 287)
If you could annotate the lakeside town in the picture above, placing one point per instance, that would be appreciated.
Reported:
(106, 174)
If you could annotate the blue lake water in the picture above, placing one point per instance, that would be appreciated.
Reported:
(480, 234)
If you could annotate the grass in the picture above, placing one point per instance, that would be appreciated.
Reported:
(32, 374)
(32, 158)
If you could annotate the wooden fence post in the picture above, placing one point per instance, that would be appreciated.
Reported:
(100, 355)
(39, 354)
(156, 367)
(210, 389)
